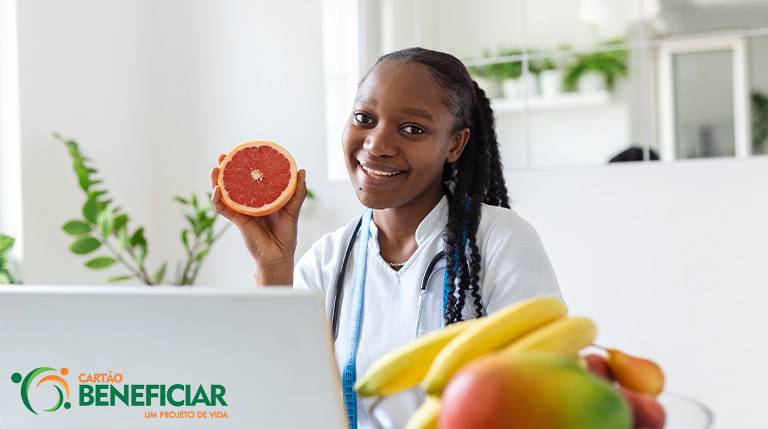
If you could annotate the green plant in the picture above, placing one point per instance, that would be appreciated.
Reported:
(610, 64)
(6, 244)
(508, 70)
(511, 70)
(104, 226)
(759, 122)
(479, 71)
(538, 65)
(501, 71)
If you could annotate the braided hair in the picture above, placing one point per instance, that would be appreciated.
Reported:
(477, 175)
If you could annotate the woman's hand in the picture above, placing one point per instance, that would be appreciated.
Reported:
(271, 240)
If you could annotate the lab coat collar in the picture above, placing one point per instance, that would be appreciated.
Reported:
(433, 223)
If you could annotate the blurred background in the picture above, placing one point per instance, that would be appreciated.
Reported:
(667, 251)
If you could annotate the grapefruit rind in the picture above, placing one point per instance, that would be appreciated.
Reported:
(266, 209)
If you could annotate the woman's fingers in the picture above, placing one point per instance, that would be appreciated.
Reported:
(237, 218)
(294, 204)
(221, 207)
(221, 157)
(214, 177)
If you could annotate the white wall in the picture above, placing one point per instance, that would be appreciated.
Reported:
(154, 91)
(670, 260)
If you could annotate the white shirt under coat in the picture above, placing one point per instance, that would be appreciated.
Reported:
(514, 266)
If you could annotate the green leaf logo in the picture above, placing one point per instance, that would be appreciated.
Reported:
(56, 379)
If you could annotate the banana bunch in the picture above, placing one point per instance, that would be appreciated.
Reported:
(535, 324)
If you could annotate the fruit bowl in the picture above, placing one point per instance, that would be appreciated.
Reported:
(683, 412)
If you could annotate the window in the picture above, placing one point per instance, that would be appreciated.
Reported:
(10, 144)
(341, 65)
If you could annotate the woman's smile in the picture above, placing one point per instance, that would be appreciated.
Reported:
(377, 175)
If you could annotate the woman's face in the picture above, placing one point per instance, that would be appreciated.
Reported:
(399, 136)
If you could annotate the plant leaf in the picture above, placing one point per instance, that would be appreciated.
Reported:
(91, 211)
(142, 254)
(138, 237)
(76, 227)
(94, 195)
(120, 221)
(85, 245)
(181, 200)
(83, 176)
(5, 279)
(105, 222)
(6, 242)
(201, 254)
(122, 235)
(192, 221)
(116, 279)
(158, 277)
(100, 262)
(185, 238)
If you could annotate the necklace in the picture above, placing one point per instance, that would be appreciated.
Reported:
(395, 264)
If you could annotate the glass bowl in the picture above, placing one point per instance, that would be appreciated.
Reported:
(683, 412)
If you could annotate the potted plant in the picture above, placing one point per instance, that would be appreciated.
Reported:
(487, 77)
(549, 75)
(510, 74)
(106, 229)
(596, 71)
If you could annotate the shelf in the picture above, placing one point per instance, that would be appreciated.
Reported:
(568, 100)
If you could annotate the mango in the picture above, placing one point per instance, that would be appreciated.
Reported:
(531, 391)
(635, 373)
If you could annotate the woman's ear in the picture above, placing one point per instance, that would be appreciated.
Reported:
(458, 142)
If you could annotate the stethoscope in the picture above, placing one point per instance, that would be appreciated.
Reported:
(339, 289)
(349, 371)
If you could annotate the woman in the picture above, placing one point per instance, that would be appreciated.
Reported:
(421, 152)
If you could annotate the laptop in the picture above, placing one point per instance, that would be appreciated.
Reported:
(132, 357)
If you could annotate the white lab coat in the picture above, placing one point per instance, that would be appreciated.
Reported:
(514, 266)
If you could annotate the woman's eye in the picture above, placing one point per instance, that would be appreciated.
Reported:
(412, 129)
(363, 118)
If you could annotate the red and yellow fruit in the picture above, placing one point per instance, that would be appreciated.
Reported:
(639, 374)
(639, 380)
(530, 390)
(647, 412)
(598, 365)
(257, 178)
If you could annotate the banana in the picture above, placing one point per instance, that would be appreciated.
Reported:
(490, 334)
(565, 336)
(405, 367)
(426, 416)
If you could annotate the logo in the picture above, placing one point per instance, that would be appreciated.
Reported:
(110, 389)
(55, 380)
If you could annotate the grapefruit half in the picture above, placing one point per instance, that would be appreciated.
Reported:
(257, 178)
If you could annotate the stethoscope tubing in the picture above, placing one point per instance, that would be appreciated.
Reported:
(338, 290)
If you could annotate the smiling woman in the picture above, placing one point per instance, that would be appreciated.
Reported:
(436, 243)
(422, 155)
